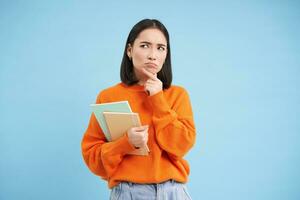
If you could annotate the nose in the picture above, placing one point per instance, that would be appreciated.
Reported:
(151, 55)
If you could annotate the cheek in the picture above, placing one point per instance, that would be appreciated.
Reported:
(139, 55)
(162, 59)
(138, 61)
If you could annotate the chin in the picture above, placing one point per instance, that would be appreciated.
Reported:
(153, 71)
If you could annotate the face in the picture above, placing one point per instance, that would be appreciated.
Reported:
(148, 51)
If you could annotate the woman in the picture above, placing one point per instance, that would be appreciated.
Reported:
(165, 112)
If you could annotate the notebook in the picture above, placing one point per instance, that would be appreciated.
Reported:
(98, 109)
(118, 123)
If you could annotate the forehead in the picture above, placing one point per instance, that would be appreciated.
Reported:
(152, 35)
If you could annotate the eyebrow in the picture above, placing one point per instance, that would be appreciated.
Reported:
(159, 44)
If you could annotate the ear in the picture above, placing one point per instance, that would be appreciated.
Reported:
(128, 51)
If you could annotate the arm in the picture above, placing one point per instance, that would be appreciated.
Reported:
(174, 127)
(102, 157)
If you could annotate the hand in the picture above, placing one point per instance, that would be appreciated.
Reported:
(153, 85)
(138, 136)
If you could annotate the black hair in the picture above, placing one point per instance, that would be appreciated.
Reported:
(127, 73)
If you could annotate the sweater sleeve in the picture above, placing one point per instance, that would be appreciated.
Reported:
(174, 127)
(103, 157)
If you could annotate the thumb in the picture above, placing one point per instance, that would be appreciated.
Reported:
(141, 128)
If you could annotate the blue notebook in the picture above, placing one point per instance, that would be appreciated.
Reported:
(98, 109)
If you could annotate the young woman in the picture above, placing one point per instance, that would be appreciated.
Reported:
(165, 112)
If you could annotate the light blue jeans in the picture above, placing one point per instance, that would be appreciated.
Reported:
(169, 190)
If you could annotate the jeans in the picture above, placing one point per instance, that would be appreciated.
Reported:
(169, 190)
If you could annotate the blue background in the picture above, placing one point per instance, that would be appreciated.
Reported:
(239, 60)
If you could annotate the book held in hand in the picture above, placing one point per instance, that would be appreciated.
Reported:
(98, 109)
(118, 123)
(115, 118)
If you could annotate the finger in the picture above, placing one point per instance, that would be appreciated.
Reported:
(145, 136)
(149, 74)
(139, 143)
(141, 128)
(144, 140)
(151, 81)
(150, 85)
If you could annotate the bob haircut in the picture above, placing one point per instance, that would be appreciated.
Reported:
(127, 73)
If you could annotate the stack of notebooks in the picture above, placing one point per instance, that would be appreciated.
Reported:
(115, 119)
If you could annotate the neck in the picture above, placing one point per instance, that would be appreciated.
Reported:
(142, 78)
(141, 82)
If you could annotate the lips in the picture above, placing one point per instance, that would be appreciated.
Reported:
(151, 65)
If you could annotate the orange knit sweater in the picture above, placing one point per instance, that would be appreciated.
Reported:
(171, 135)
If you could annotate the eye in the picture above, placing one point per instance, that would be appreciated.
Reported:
(161, 48)
(144, 46)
